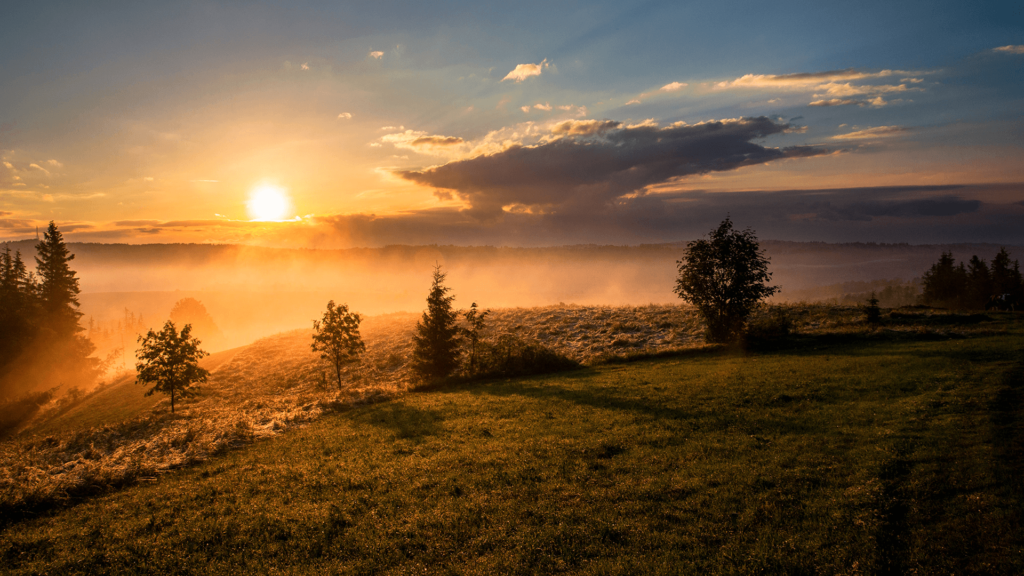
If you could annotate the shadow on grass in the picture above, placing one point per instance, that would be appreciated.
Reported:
(404, 420)
(1008, 433)
(541, 388)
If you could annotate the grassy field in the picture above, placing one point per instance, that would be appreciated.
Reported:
(856, 454)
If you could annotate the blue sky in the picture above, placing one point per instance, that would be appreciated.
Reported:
(503, 123)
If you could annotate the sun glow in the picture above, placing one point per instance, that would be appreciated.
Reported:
(268, 203)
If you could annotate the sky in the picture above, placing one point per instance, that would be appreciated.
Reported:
(343, 124)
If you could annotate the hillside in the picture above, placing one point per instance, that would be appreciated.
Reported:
(847, 451)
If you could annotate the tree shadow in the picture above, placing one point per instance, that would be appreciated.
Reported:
(403, 420)
(543, 389)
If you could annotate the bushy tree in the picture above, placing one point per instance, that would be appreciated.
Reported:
(169, 360)
(437, 337)
(336, 337)
(724, 277)
(192, 311)
(475, 321)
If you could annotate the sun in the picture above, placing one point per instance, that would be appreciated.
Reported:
(268, 202)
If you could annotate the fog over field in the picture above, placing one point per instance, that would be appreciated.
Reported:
(252, 292)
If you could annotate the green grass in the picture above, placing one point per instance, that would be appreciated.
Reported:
(873, 457)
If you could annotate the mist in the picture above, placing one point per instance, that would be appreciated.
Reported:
(252, 292)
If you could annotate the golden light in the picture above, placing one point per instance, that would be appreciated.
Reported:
(268, 202)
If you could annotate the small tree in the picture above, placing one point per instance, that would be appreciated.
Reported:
(336, 338)
(475, 319)
(170, 362)
(437, 336)
(724, 277)
(872, 313)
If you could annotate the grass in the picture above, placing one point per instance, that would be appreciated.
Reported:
(860, 456)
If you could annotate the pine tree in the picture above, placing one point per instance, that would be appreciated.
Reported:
(945, 283)
(979, 283)
(58, 287)
(18, 312)
(1006, 276)
(437, 336)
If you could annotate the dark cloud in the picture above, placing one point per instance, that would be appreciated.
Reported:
(599, 162)
(913, 214)
(437, 141)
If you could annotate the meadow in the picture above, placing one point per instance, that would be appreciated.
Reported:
(841, 449)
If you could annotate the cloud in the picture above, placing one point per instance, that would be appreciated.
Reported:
(305, 66)
(633, 101)
(801, 80)
(835, 102)
(524, 71)
(876, 102)
(524, 108)
(876, 132)
(847, 89)
(545, 107)
(1012, 49)
(436, 141)
(53, 162)
(583, 127)
(344, 116)
(673, 87)
(376, 54)
(40, 168)
(422, 142)
(602, 162)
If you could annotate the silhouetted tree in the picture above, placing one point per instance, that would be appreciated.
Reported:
(1006, 276)
(436, 354)
(58, 287)
(192, 311)
(475, 319)
(169, 360)
(872, 313)
(945, 283)
(336, 338)
(724, 277)
(978, 287)
(19, 310)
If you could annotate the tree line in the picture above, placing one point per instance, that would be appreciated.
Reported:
(41, 340)
(974, 285)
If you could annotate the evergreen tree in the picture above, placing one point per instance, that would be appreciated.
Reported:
(979, 284)
(58, 287)
(18, 312)
(1006, 276)
(945, 282)
(437, 336)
